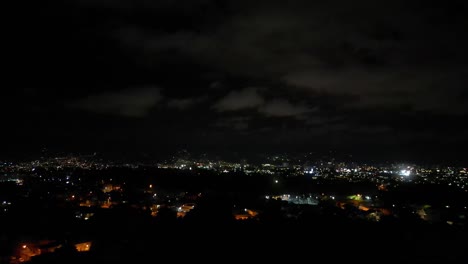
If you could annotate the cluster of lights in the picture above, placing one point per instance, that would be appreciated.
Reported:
(405, 173)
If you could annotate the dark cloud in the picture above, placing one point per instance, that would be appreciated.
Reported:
(136, 102)
(390, 53)
(297, 72)
(248, 98)
(185, 103)
(283, 108)
(420, 90)
(239, 123)
(252, 99)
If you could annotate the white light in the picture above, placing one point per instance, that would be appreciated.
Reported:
(276, 181)
(405, 173)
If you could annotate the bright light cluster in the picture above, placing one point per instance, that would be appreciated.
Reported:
(405, 173)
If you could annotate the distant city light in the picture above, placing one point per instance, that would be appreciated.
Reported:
(405, 173)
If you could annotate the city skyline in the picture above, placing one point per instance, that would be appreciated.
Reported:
(135, 131)
(83, 209)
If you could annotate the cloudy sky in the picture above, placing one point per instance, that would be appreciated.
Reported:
(365, 77)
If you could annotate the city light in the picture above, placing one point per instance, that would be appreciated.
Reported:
(328, 131)
(405, 173)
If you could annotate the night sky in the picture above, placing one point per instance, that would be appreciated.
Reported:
(373, 78)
